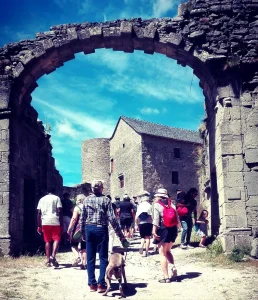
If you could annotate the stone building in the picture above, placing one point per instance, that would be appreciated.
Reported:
(142, 156)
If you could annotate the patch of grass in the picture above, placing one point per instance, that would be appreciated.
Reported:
(215, 248)
(9, 293)
(21, 262)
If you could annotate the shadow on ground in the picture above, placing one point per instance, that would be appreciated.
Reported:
(188, 275)
(130, 290)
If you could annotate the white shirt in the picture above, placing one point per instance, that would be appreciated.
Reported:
(48, 206)
(144, 206)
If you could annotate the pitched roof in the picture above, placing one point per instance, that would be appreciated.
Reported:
(149, 128)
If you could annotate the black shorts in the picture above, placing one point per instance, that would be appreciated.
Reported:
(126, 223)
(76, 244)
(167, 234)
(145, 229)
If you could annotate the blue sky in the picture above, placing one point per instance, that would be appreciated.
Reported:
(84, 98)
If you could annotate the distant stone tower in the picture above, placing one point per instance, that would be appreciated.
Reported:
(96, 161)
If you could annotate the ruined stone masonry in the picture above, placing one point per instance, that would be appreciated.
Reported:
(217, 39)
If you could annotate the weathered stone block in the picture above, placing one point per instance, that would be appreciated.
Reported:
(231, 127)
(228, 242)
(4, 226)
(5, 245)
(234, 194)
(234, 221)
(234, 179)
(251, 156)
(254, 250)
(4, 124)
(4, 186)
(234, 208)
(233, 146)
(252, 202)
(4, 176)
(251, 138)
(251, 179)
(235, 163)
(243, 240)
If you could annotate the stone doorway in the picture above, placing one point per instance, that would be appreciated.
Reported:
(218, 41)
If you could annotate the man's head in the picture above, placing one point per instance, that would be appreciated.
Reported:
(51, 190)
(126, 197)
(117, 198)
(66, 196)
(97, 186)
(178, 191)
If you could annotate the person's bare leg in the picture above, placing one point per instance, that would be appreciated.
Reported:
(48, 250)
(141, 246)
(84, 257)
(202, 242)
(169, 255)
(55, 248)
(163, 260)
(75, 251)
(147, 245)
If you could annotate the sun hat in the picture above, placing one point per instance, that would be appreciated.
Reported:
(161, 193)
(79, 199)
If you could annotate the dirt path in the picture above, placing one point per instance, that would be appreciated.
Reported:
(196, 280)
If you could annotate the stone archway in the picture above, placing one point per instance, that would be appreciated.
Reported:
(217, 39)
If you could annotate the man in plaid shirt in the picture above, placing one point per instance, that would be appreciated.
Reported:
(97, 212)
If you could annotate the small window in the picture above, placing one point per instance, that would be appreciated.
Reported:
(123, 145)
(121, 181)
(175, 177)
(112, 165)
(177, 153)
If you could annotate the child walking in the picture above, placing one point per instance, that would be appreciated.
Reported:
(202, 231)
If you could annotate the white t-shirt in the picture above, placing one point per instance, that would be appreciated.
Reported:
(48, 206)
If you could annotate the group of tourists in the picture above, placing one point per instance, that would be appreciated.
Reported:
(91, 226)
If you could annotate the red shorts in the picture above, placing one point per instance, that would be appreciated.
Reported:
(51, 232)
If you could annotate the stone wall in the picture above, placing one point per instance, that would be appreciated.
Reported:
(218, 39)
(96, 161)
(126, 152)
(32, 172)
(84, 188)
(158, 162)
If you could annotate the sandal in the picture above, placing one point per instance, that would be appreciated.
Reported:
(174, 272)
(202, 246)
(48, 264)
(164, 280)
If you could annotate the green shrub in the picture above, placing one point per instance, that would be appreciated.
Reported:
(215, 248)
(237, 254)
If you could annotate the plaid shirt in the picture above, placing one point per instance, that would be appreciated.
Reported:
(97, 210)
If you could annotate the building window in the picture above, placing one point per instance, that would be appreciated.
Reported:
(175, 177)
(177, 153)
(121, 180)
(112, 165)
(123, 145)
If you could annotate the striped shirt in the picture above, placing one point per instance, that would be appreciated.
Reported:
(97, 210)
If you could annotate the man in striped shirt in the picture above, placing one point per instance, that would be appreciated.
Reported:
(97, 212)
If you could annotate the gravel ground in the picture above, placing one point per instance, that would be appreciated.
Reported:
(196, 279)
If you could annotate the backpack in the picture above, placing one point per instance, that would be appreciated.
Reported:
(143, 216)
(182, 211)
(169, 215)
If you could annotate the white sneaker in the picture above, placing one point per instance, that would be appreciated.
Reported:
(182, 246)
(189, 247)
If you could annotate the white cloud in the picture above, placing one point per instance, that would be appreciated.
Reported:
(161, 7)
(66, 128)
(115, 61)
(152, 111)
(95, 126)
(149, 111)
